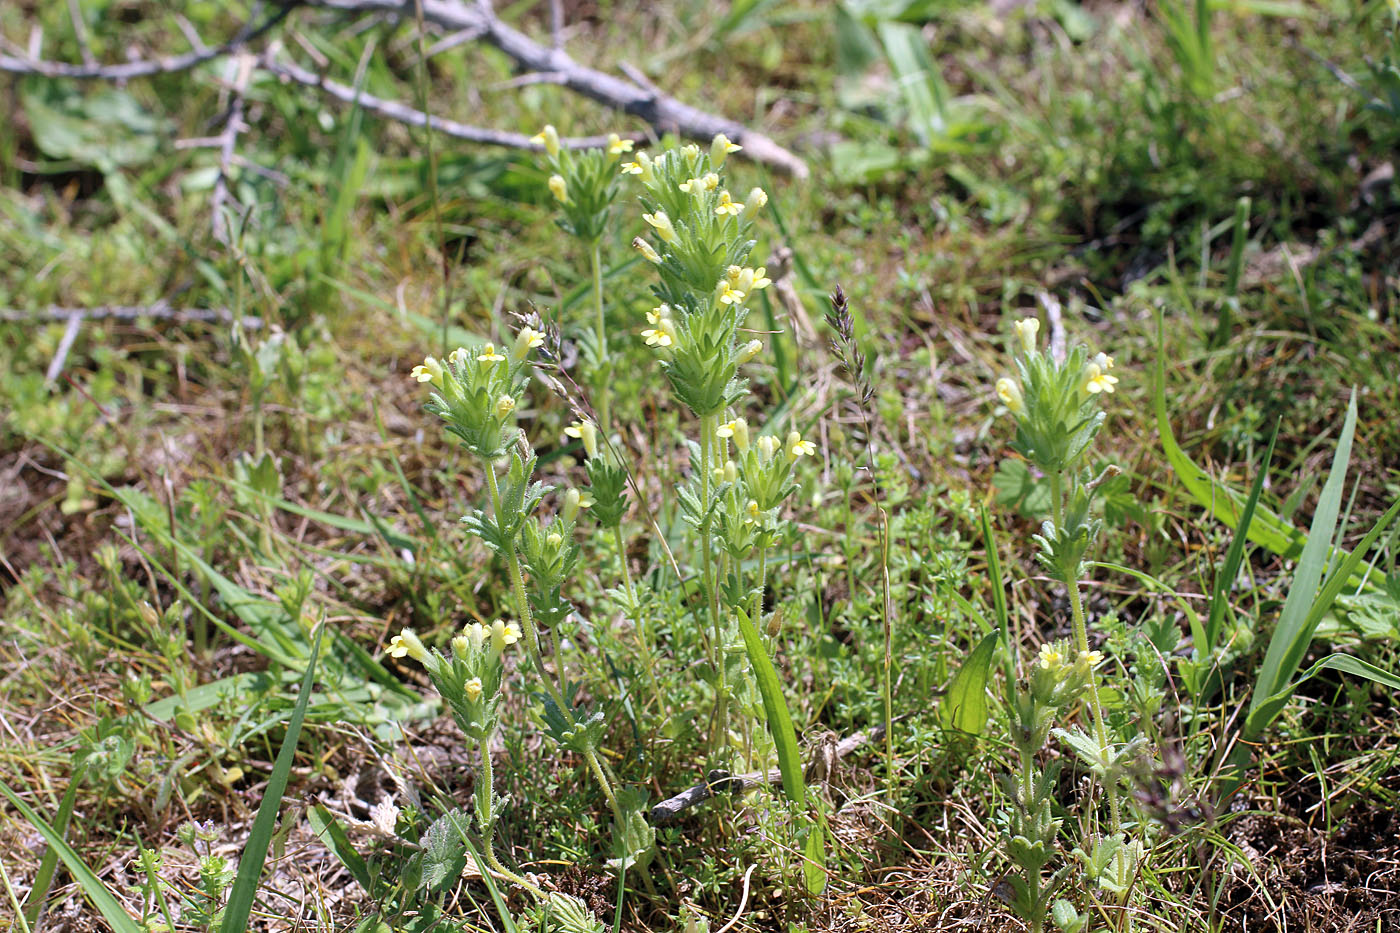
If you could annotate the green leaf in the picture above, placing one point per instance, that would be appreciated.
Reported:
(328, 829)
(964, 707)
(444, 857)
(1267, 529)
(919, 80)
(780, 727)
(1292, 635)
(814, 865)
(250, 865)
(776, 709)
(103, 899)
(1220, 592)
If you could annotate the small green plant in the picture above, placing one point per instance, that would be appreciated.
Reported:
(1057, 408)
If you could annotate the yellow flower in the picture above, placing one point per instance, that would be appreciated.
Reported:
(549, 138)
(720, 147)
(525, 341)
(638, 166)
(617, 145)
(504, 406)
(797, 447)
(751, 512)
(748, 280)
(729, 295)
(1026, 329)
(1091, 658)
(1050, 657)
(472, 689)
(737, 429)
(659, 336)
(1096, 380)
(406, 643)
(643, 247)
(587, 432)
(503, 635)
(757, 198)
(728, 205)
(1010, 394)
(662, 224)
(691, 186)
(1104, 360)
(661, 312)
(430, 370)
(489, 355)
(559, 189)
(575, 499)
(710, 181)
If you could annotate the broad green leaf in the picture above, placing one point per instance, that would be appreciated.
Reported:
(776, 709)
(328, 829)
(245, 885)
(964, 707)
(106, 903)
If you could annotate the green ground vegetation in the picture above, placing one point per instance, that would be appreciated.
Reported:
(1177, 641)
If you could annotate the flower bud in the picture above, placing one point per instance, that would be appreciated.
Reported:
(662, 224)
(554, 539)
(1010, 394)
(549, 138)
(767, 446)
(1026, 329)
(757, 198)
(572, 502)
(461, 645)
(748, 351)
(472, 689)
(504, 406)
(731, 472)
(559, 189)
(643, 247)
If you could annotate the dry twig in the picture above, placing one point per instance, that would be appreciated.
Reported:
(719, 781)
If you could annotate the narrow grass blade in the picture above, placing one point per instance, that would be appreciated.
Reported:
(1267, 529)
(245, 885)
(1291, 636)
(1003, 617)
(39, 890)
(919, 80)
(1225, 577)
(1260, 718)
(106, 903)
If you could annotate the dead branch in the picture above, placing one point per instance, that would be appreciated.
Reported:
(161, 310)
(141, 68)
(394, 110)
(634, 95)
(242, 67)
(718, 781)
(650, 104)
